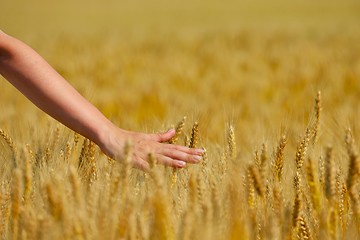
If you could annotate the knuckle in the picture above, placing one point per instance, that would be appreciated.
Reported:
(142, 165)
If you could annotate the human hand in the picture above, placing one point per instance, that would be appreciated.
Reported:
(142, 144)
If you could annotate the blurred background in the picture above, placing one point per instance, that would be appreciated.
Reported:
(181, 17)
(146, 64)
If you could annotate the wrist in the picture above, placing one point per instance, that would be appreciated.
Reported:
(109, 139)
(103, 134)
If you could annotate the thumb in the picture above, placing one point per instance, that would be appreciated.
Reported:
(165, 136)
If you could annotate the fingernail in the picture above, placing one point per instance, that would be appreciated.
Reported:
(197, 158)
(199, 151)
(181, 164)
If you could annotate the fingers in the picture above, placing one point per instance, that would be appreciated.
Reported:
(168, 157)
(193, 151)
(182, 155)
(167, 161)
(161, 159)
(167, 154)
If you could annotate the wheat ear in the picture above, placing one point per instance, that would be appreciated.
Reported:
(194, 135)
(178, 131)
(279, 158)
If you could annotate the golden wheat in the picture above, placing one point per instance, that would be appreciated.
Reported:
(194, 135)
(246, 87)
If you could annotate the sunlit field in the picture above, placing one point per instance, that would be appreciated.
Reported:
(271, 90)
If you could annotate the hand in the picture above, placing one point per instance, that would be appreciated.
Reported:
(142, 144)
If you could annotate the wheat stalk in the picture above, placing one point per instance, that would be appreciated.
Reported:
(258, 184)
(75, 184)
(178, 131)
(330, 187)
(28, 176)
(313, 186)
(354, 165)
(55, 204)
(16, 203)
(318, 109)
(304, 229)
(231, 143)
(301, 150)
(9, 141)
(279, 158)
(194, 135)
(297, 202)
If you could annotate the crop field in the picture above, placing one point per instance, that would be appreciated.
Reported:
(270, 89)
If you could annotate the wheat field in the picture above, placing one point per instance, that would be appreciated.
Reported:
(270, 90)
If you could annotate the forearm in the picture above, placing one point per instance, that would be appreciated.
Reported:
(41, 84)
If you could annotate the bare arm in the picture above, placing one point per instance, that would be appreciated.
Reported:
(41, 84)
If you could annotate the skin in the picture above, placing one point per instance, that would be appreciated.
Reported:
(27, 71)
